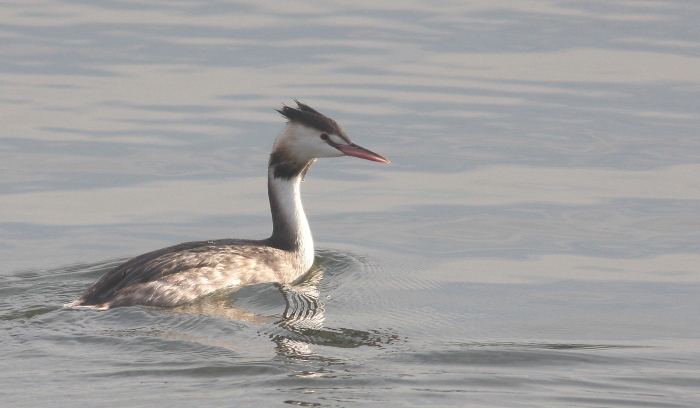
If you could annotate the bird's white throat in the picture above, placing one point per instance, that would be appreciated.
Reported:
(291, 229)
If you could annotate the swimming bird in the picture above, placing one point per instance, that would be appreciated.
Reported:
(182, 273)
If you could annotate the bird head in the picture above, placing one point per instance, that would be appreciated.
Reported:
(309, 135)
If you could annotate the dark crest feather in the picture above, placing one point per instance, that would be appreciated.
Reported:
(306, 115)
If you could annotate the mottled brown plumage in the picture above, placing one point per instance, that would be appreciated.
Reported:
(185, 272)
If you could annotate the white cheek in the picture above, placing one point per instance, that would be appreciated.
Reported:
(322, 149)
(337, 140)
(330, 151)
(312, 148)
(305, 143)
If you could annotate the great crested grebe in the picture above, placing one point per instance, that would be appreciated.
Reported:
(182, 273)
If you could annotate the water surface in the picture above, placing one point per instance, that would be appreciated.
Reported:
(535, 241)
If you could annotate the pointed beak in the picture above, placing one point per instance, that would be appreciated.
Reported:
(356, 151)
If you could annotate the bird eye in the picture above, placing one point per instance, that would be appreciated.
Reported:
(324, 136)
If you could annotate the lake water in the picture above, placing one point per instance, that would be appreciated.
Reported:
(535, 241)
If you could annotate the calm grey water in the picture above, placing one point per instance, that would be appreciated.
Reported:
(534, 243)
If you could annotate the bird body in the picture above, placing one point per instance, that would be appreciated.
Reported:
(182, 273)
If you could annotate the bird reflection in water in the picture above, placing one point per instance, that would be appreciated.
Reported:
(303, 315)
(301, 324)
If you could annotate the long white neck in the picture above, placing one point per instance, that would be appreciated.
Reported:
(290, 229)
